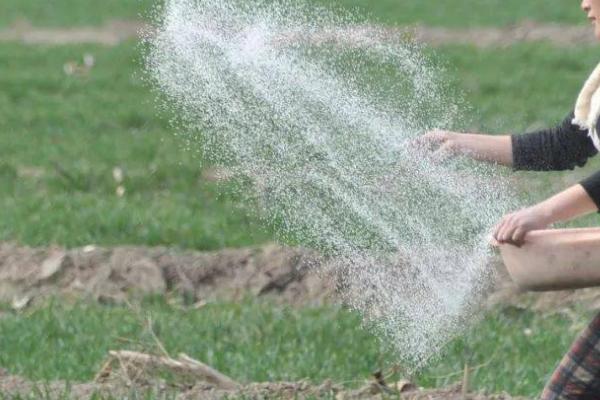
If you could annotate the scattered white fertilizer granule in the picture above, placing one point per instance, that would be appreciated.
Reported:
(314, 114)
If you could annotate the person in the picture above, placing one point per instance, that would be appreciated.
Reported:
(565, 146)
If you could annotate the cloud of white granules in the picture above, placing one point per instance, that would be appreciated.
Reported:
(317, 112)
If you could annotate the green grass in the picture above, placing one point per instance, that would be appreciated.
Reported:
(258, 341)
(71, 131)
(251, 341)
(451, 13)
(63, 135)
(465, 13)
(71, 12)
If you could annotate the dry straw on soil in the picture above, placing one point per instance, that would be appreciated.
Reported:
(127, 371)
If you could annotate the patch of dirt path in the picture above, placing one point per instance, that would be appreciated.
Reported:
(116, 31)
(528, 31)
(290, 276)
(113, 274)
(110, 34)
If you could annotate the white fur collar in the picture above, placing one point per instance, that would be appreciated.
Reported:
(587, 108)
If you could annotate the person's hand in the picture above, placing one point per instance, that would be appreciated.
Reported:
(442, 144)
(513, 227)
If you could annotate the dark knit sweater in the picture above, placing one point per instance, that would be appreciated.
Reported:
(565, 146)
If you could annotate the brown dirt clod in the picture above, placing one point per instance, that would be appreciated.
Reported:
(115, 274)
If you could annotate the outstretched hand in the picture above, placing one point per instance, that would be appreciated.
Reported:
(442, 144)
(447, 144)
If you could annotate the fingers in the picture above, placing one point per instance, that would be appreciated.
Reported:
(493, 242)
(444, 152)
(518, 236)
(498, 229)
(435, 136)
(506, 230)
(431, 140)
(503, 232)
(509, 230)
(437, 144)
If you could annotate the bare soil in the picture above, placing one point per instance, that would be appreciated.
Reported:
(286, 275)
(113, 274)
(528, 31)
(116, 31)
(110, 34)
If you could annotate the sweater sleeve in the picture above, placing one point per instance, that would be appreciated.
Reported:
(592, 186)
(562, 147)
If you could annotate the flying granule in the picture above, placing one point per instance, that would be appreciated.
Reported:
(314, 113)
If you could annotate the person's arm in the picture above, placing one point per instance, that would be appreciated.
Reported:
(580, 199)
(563, 147)
(489, 148)
(567, 205)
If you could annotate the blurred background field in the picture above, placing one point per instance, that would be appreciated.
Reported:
(453, 13)
(87, 158)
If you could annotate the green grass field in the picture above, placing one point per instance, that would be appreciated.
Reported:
(451, 13)
(69, 132)
(279, 343)
(61, 136)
